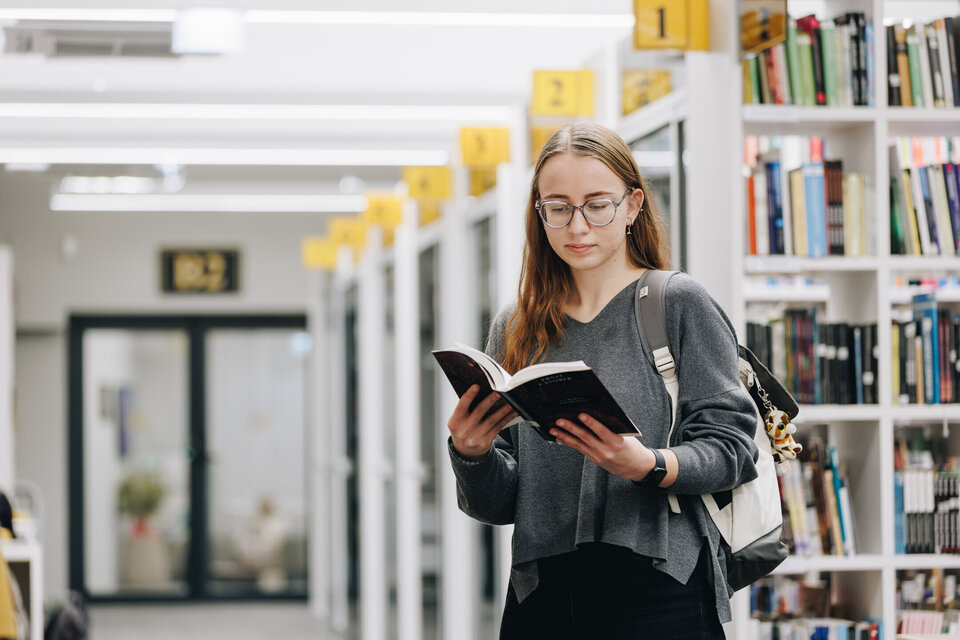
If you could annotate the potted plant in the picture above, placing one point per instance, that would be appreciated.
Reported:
(139, 496)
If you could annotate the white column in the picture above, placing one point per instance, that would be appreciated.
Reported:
(409, 469)
(319, 397)
(459, 548)
(7, 474)
(371, 325)
(513, 187)
(340, 469)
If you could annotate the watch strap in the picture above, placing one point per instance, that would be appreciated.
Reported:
(656, 475)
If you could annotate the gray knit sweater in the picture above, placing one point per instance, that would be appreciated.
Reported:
(558, 499)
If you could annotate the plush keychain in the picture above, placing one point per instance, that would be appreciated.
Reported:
(781, 431)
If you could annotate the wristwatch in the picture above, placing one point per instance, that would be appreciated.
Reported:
(656, 475)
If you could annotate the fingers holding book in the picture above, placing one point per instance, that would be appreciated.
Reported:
(625, 457)
(474, 424)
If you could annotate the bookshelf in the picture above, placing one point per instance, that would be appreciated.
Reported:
(859, 135)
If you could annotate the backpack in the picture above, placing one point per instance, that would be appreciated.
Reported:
(748, 517)
(69, 621)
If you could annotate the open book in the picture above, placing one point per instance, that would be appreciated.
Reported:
(541, 393)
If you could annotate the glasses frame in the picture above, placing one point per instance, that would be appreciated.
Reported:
(616, 204)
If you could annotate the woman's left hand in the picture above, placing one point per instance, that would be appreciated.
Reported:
(622, 456)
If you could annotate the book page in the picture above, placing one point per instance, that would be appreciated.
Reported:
(544, 369)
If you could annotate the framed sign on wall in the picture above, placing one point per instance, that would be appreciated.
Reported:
(199, 271)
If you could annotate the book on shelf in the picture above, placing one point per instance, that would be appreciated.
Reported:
(927, 602)
(820, 362)
(540, 393)
(926, 496)
(926, 361)
(799, 203)
(922, 63)
(823, 62)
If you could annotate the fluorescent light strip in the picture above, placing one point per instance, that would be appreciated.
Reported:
(113, 110)
(246, 157)
(441, 19)
(216, 203)
(384, 18)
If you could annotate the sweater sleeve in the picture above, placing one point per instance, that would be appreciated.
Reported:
(716, 420)
(487, 488)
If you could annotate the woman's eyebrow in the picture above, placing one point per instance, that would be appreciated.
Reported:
(592, 194)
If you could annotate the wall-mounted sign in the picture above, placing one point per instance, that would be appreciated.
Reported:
(200, 270)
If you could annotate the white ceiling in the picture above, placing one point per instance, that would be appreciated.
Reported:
(302, 63)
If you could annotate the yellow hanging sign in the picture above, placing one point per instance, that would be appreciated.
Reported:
(538, 137)
(385, 211)
(671, 24)
(429, 212)
(484, 146)
(429, 182)
(642, 86)
(482, 180)
(318, 252)
(347, 231)
(562, 93)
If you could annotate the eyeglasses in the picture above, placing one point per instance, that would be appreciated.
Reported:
(598, 212)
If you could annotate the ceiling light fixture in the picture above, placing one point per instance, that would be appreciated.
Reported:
(228, 157)
(338, 112)
(214, 203)
(383, 18)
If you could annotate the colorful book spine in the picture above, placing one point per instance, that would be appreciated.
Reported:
(816, 203)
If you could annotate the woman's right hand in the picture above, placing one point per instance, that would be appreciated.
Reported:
(473, 432)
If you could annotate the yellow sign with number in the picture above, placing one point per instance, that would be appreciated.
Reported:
(642, 86)
(482, 180)
(385, 211)
(484, 146)
(538, 137)
(429, 212)
(318, 252)
(429, 182)
(347, 231)
(671, 24)
(562, 93)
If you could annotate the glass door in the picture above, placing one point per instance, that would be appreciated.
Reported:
(188, 457)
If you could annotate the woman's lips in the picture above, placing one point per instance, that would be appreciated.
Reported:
(579, 248)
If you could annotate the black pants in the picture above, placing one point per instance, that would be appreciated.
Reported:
(602, 592)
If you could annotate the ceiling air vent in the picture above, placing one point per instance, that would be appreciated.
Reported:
(89, 39)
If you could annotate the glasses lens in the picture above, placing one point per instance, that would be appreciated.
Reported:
(556, 214)
(600, 212)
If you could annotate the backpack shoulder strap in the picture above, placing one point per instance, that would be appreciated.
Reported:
(651, 312)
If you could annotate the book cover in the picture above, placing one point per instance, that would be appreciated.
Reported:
(909, 360)
(920, 209)
(903, 65)
(950, 52)
(816, 203)
(783, 72)
(814, 458)
(833, 175)
(859, 22)
(926, 79)
(541, 393)
(933, 55)
(793, 63)
(926, 191)
(869, 365)
(913, 58)
(751, 217)
(761, 204)
(871, 63)
(798, 209)
(897, 243)
(952, 178)
(893, 75)
(775, 210)
(938, 185)
(944, 62)
(844, 370)
(808, 91)
(830, 79)
(844, 59)
(925, 312)
(811, 26)
(895, 388)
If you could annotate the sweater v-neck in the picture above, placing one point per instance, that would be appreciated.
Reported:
(602, 311)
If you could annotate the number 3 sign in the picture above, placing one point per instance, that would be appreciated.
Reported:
(671, 24)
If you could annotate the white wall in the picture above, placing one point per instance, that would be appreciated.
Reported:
(6, 371)
(115, 271)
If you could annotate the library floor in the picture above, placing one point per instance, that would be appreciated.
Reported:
(233, 621)
(240, 621)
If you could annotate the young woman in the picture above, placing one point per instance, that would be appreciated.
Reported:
(597, 552)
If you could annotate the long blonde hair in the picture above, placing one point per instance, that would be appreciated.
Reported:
(545, 280)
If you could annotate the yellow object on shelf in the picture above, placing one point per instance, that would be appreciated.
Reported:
(562, 93)
(482, 180)
(385, 211)
(643, 86)
(318, 253)
(484, 146)
(428, 182)
(673, 24)
(347, 231)
(429, 212)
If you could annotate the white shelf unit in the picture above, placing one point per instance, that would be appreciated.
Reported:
(859, 136)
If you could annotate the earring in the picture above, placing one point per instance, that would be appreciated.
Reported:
(628, 230)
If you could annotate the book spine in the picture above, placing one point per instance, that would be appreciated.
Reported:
(927, 194)
(751, 217)
(893, 76)
(950, 27)
(913, 57)
(830, 79)
(944, 63)
(944, 224)
(793, 62)
(871, 65)
(860, 73)
(933, 54)
(903, 65)
(815, 199)
(926, 79)
(798, 210)
(805, 54)
(952, 177)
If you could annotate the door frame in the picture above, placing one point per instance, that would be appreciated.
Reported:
(196, 327)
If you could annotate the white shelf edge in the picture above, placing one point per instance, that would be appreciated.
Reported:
(923, 263)
(808, 293)
(923, 114)
(925, 412)
(838, 413)
(794, 264)
(785, 114)
(802, 564)
(904, 295)
(926, 561)
(20, 550)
